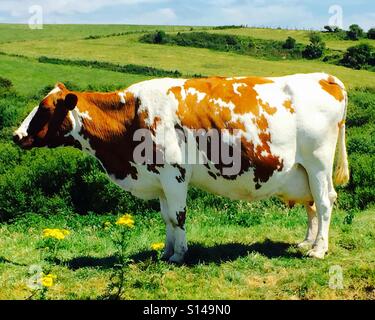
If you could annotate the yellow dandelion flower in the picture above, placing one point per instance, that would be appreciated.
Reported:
(126, 220)
(48, 280)
(157, 246)
(58, 234)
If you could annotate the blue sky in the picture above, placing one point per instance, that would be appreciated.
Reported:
(304, 14)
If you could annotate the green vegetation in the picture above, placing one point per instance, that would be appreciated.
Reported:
(290, 43)
(128, 50)
(227, 43)
(130, 68)
(238, 249)
(360, 57)
(371, 34)
(355, 32)
(316, 47)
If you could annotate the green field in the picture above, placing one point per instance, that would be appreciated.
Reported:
(239, 250)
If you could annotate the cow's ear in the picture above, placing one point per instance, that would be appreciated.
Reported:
(60, 86)
(70, 101)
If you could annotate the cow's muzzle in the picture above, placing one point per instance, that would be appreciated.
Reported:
(24, 142)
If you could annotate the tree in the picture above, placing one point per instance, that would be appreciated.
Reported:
(290, 43)
(160, 37)
(316, 47)
(355, 32)
(371, 34)
(329, 28)
(359, 56)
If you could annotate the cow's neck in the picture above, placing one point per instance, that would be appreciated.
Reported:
(103, 123)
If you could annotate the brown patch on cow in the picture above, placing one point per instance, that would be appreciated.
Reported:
(332, 88)
(182, 170)
(110, 130)
(213, 175)
(155, 124)
(291, 204)
(289, 106)
(198, 112)
(154, 168)
(341, 123)
(181, 218)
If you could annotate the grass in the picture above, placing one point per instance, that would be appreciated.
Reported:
(128, 50)
(29, 76)
(237, 250)
(225, 261)
(18, 32)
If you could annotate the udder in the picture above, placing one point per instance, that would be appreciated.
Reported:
(296, 188)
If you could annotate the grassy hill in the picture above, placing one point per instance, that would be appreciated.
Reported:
(126, 49)
(238, 249)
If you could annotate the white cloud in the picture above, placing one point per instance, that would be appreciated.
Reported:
(268, 15)
(65, 7)
(365, 20)
(160, 16)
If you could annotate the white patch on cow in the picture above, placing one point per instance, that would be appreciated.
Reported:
(21, 132)
(122, 97)
(200, 95)
(54, 91)
(238, 85)
(76, 117)
(264, 153)
(156, 101)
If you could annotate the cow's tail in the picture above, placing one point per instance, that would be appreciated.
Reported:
(341, 175)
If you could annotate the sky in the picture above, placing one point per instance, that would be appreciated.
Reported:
(303, 14)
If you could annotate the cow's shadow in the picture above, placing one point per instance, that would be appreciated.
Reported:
(198, 254)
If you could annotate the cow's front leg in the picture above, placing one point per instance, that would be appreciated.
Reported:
(170, 237)
(312, 229)
(175, 193)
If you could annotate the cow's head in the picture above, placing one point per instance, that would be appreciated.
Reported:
(49, 123)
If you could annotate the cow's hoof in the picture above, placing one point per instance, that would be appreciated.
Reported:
(166, 256)
(305, 244)
(316, 253)
(176, 259)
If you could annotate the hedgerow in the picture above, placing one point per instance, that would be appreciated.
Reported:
(128, 68)
(225, 42)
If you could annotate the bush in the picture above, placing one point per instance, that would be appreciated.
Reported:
(160, 37)
(316, 47)
(231, 43)
(355, 32)
(5, 83)
(371, 34)
(329, 28)
(290, 43)
(359, 57)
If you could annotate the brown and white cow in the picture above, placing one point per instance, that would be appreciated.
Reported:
(286, 130)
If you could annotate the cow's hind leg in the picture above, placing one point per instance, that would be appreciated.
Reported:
(324, 196)
(312, 229)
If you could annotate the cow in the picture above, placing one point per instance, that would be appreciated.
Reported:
(285, 130)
